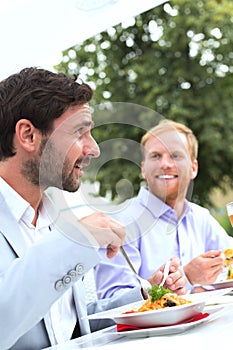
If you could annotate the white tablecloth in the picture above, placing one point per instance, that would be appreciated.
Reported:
(213, 335)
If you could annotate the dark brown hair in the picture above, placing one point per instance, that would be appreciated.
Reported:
(40, 96)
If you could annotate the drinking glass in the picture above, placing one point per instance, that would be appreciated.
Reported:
(229, 207)
(229, 252)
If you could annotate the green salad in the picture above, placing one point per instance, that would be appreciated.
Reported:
(157, 292)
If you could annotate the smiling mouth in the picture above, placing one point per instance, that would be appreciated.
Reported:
(82, 164)
(77, 166)
(166, 177)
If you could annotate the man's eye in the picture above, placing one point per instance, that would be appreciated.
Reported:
(175, 156)
(79, 132)
(154, 156)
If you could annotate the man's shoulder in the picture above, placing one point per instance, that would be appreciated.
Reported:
(203, 214)
(198, 208)
(126, 208)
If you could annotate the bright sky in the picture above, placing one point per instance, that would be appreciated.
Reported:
(34, 33)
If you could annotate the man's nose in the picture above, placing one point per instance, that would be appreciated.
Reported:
(92, 149)
(166, 161)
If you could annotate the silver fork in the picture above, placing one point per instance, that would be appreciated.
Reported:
(165, 273)
(144, 283)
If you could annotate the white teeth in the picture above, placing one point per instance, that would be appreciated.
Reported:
(166, 176)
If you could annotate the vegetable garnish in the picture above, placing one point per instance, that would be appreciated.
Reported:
(157, 292)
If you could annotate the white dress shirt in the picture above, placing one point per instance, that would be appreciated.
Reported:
(61, 319)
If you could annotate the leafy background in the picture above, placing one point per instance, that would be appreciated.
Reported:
(177, 60)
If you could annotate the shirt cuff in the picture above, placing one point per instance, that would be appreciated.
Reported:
(188, 285)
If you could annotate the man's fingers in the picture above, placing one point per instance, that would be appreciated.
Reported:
(107, 231)
(120, 232)
(112, 250)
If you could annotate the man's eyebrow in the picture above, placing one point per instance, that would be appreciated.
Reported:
(89, 123)
(152, 152)
(86, 123)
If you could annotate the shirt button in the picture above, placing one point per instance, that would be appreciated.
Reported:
(59, 285)
(66, 279)
(72, 274)
(79, 269)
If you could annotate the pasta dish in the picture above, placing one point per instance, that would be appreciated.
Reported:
(228, 262)
(160, 298)
(167, 300)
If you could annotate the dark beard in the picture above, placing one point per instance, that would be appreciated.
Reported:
(68, 182)
(31, 168)
(49, 170)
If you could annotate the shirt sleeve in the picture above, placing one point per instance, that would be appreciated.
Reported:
(114, 275)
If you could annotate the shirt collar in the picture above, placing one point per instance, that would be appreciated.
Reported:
(17, 205)
(21, 209)
(149, 200)
(156, 206)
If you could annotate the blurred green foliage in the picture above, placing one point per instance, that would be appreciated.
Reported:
(221, 216)
(177, 60)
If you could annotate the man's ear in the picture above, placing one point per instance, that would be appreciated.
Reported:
(26, 134)
(194, 169)
(142, 170)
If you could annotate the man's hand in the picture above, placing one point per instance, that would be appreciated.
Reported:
(175, 280)
(205, 268)
(106, 231)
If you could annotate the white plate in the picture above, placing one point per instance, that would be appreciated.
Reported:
(211, 296)
(222, 284)
(152, 318)
(167, 330)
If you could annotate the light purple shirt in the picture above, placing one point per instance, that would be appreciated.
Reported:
(154, 234)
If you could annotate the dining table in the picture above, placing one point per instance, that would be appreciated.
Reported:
(214, 333)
